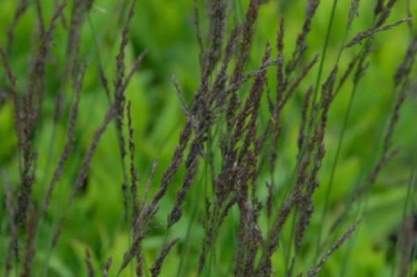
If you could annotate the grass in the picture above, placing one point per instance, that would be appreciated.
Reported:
(117, 168)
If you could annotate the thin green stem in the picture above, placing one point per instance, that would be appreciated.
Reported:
(405, 211)
(333, 169)
(324, 53)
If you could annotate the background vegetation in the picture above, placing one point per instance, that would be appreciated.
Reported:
(96, 219)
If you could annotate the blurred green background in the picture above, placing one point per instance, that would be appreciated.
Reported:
(165, 30)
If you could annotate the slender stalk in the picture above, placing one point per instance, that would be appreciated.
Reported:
(324, 53)
(333, 169)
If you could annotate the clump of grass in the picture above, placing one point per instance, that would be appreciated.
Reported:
(223, 125)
